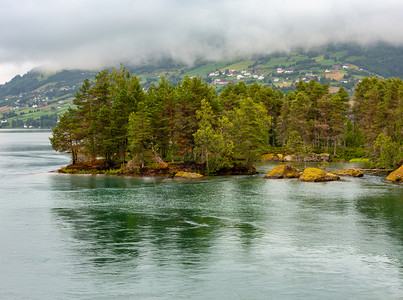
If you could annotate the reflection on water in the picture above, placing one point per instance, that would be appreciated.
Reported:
(119, 217)
(243, 237)
(342, 235)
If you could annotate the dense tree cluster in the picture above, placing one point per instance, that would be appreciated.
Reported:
(115, 119)
(311, 117)
(378, 113)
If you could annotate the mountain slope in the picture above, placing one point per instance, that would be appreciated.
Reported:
(28, 98)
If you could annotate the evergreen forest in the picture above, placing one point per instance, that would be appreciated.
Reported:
(114, 120)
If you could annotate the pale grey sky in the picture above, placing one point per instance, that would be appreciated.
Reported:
(91, 34)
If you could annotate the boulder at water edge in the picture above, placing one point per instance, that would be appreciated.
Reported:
(188, 175)
(350, 172)
(317, 175)
(289, 158)
(271, 157)
(283, 171)
(396, 176)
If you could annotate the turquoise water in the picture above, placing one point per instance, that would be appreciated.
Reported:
(243, 237)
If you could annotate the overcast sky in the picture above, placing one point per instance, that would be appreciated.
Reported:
(93, 34)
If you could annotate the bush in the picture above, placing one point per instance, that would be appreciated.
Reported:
(386, 153)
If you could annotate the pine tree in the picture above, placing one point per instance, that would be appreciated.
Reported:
(189, 96)
(66, 135)
(386, 153)
(250, 133)
(126, 93)
(213, 146)
(140, 131)
(100, 127)
(84, 101)
(162, 102)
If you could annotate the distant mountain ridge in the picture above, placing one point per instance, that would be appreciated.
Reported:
(381, 59)
(338, 65)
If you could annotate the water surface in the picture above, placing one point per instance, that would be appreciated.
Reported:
(243, 237)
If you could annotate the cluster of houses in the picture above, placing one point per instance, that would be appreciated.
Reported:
(288, 71)
(233, 74)
(35, 99)
(279, 76)
(337, 68)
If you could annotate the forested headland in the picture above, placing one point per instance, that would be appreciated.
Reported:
(115, 123)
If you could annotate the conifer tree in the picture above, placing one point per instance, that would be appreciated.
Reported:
(162, 101)
(100, 127)
(189, 96)
(126, 93)
(213, 146)
(140, 131)
(66, 136)
(85, 116)
(250, 133)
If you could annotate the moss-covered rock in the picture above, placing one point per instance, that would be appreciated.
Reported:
(317, 175)
(271, 157)
(283, 171)
(331, 177)
(312, 157)
(188, 175)
(396, 176)
(350, 172)
(267, 157)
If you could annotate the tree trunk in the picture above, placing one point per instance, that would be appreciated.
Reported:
(344, 141)
(207, 164)
(73, 157)
(172, 149)
(335, 145)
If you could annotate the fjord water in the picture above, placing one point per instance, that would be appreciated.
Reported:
(86, 237)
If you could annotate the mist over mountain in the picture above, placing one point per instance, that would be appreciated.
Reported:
(37, 98)
(56, 35)
(380, 59)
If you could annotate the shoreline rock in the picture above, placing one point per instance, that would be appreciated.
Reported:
(396, 176)
(283, 171)
(156, 170)
(188, 175)
(312, 157)
(271, 157)
(349, 172)
(317, 175)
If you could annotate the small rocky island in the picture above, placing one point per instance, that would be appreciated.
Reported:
(396, 176)
(114, 126)
(310, 174)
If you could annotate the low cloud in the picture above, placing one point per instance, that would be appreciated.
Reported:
(93, 34)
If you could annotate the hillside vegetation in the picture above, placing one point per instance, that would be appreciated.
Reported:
(36, 99)
(115, 120)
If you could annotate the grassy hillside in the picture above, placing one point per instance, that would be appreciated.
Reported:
(26, 99)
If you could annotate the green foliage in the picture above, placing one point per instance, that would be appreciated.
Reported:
(66, 135)
(367, 160)
(295, 144)
(101, 115)
(126, 96)
(378, 106)
(250, 132)
(188, 99)
(213, 144)
(386, 153)
(353, 135)
(113, 117)
(351, 152)
(140, 131)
